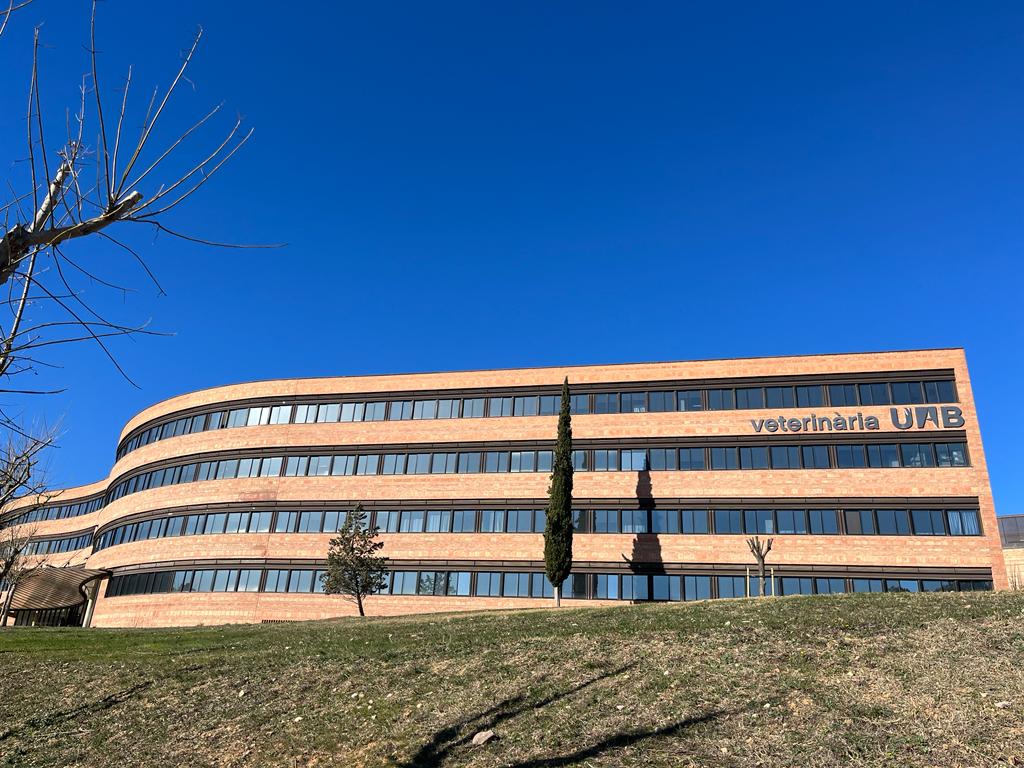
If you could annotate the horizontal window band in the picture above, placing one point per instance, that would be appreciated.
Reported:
(578, 390)
(59, 536)
(382, 449)
(619, 567)
(400, 505)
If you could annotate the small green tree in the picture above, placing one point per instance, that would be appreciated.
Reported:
(354, 569)
(558, 528)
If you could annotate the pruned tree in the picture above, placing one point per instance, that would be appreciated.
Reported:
(760, 549)
(90, 175)
(354, 569)
(91, 178)
(558, 526)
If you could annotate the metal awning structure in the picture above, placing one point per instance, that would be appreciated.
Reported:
(51, 587)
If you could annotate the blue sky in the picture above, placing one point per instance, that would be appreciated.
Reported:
(464, 185)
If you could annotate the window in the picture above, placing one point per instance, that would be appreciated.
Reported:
(728, 521)
(633, 402)
(731, 586)
(458, 583)
(387, 521)
(296, 466)
(759, 521)
(351, 412)
(666, 587)
(694, 520)
(606, 521)
(633, 460)
(606, 461)
(893, 522)
(951, 454)
(815, 456)
(464, 521)
(929, 522)
(750, 397)
(901, 585)
(721, 400)
(792, 585)
(907, 393)
(443, 463)
(469, 463)
(343, 465)
(724, 458)
(606, 403)
(940, 392)
(374, 411)
(492, 520)
(874, 394)
(286, 522)
(248, 580)
(311, 522)
(417, 464)
(917, 455)
(519, 521)
(663, 459)
(867, 585)
(367, 465)
(499, 406)
(963, 522)
(544, 460)
(634, 587)
(328, 412)
(859, 521)
(883, 456)
(579, 404)
(689, 400)
(634, 521)
(791, 521)
(333, 521)
(393, 464)
(496, 461)
(488, 584)
(516, 585)
(659, 402)
(277, 581)
(829, 586)
(550, 405)
(523, 461)
(810, 397)
(785, 457)
(665, 521)
(580, 461)
(851, 456)
(755, 457)
(526, 406)
(412, 522)
(779, 397)
(696, 588)
(447, 409)
(424, 409)
(401, 410)
(473, 408)
(301, 581)
(404, 583)
(691, 458)
(427, 583)
(607, 587)
(842, 394)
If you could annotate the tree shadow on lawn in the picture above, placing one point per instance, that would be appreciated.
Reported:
(444, 742)
(67, 715)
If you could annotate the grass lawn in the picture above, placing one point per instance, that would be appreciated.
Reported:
(873, 680)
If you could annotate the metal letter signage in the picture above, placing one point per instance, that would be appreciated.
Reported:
(950, 417)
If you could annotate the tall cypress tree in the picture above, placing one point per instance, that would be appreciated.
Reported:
(558, 529)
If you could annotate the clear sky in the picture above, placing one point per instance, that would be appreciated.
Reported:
(467, 185)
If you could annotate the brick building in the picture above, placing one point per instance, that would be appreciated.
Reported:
(867, 469)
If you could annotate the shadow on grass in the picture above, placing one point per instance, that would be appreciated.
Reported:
(67, 715)
(444, 741)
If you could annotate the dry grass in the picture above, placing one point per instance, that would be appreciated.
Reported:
(864, 680)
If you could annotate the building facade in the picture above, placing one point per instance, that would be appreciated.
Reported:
(866, 469)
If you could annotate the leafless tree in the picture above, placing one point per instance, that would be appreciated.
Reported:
(93, 179)
(90, 175)
(760, 549)
(20, 481)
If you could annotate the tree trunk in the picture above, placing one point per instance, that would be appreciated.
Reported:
(359, 604)
(558, 596)
(761, 580)
(7, 607)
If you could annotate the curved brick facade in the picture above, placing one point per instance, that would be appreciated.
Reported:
(641, 559)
